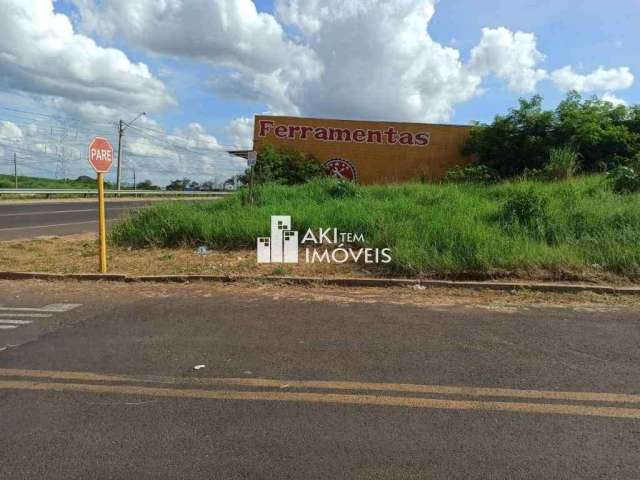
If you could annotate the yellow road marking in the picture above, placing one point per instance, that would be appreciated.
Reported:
(333, 385)
(329, 398)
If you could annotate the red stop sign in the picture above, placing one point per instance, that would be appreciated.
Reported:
(100, 155)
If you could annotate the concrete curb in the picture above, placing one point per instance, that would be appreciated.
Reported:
(342, 282)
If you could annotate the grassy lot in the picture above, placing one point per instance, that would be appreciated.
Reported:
(577, 229)
(8, 181)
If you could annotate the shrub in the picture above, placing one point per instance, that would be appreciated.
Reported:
(602, 134)
(283, 166)
(528, 209)
(342, 189)
(597, 129)
(533, 174)
(521, 139)
(470, 174)
(624, 180)
(563, 163)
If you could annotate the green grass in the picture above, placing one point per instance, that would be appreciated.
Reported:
(570, 228)
(8, 181)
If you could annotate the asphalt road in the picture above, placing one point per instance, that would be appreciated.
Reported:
(299, 383)
(33, 219)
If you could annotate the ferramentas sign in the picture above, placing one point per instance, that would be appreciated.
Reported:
(368, 152)
(378, 136)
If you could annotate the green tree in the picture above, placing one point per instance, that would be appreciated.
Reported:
(147, 185)
(517, 141)
(633, 119)
(598, 130)
(207, 186)
(179, 184)
(283, 166)
(602, 135)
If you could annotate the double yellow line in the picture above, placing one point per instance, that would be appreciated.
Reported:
(364, 394)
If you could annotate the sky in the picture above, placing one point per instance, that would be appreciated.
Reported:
(201, 69)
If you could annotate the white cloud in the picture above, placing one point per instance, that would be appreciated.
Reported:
(610, 97)
(347, 58)
(194, 136)
(41, 54)
(47, 148)
(10, 132)
(241, 132)
(355, 58)
(225, 32)
(600, 80)
(267, 66)
(310, 15)
(379, 61)
(370, 59)
(185, 152)
(513, 57)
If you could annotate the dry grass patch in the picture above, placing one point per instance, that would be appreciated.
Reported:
(78, 254)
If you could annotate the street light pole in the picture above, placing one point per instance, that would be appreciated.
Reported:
(122, 125)
(120, 134)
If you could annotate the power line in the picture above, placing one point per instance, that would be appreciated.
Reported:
(50, 140)
(136, 127)
(24, 111)
(59, 130)
(142, 129)
(59, 119)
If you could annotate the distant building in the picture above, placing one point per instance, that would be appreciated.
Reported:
(230, 184)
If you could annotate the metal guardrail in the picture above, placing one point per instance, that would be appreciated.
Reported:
(71, 191)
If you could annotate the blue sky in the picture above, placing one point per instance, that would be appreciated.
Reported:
(203, 68)
(569, 32)
(582, 34)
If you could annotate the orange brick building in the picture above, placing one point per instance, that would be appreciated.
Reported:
(368, 152)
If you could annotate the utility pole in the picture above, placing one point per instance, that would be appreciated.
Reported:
(122, 125)
(15, 168)
(134, 179)
(120, 134)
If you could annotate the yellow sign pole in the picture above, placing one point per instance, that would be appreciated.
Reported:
(102, 224)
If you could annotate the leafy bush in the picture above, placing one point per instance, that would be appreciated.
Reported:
(147, 185)
(342, 189)
(624, 180)
(283, 166)
(534, 174)
(563, 163)
(596, 129)
(181, 184)
(526, 208)
(470, 174)
(519, 140)
(601, 134)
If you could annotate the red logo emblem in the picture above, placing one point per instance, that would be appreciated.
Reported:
(341, 169)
